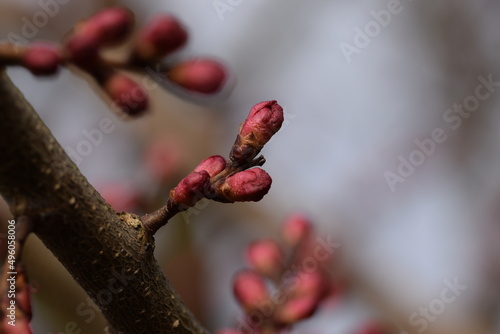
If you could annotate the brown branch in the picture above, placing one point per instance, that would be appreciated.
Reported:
(109, 254)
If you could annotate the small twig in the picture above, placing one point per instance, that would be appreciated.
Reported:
(154, 220)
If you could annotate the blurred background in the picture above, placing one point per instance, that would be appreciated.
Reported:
(389, 145)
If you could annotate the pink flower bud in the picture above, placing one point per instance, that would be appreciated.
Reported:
(42, 59)
(249, 185)
(22, 326)
(129, 96)
(263, 121)
(265, 256)
(161, 36)
(213, 165)
(23, 293)
(199, 75)
(121, 197)
(296, 228)
(250, 289)
(191, 189)
(164, 158)
(296, 309)
(110, 26)
(83, 51)
(313, 284)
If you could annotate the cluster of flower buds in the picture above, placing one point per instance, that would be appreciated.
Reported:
(160, 37)
(282, 287)
(236, 180)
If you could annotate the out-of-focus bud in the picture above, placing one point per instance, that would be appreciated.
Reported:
(83, 51)
(23, 297)
(107, 27)
(250, 289)
(265, 256)
(22, 326)
(263, 121)
(249, 185)
(372, 328)
(310, 284)
(191, 189)
(121, 197)
(296, 309)
(199, 75)
(129, 96)
(213, 165)
(161, 36)
(164, 157)
(296, 228)
(228, 331)
(42, 59)
(22, 307)
(110, 26)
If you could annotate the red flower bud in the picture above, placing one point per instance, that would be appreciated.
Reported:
(296, 228)
(311, 284)
(110, 26)
(161, 36)
(249, 185)
(199, 75)
(213, 165)
(83, 51)
(191, 189)
(263, 121)
(42, 59)
(121, 197)
(265, 256)
(129, 96)
(296, 309)
(163, 158)
(250, 289)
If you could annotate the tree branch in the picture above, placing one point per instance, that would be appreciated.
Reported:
(109, 254)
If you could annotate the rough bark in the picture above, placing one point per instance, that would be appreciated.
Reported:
(109, 254)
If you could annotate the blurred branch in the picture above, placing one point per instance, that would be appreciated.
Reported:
(108, 253)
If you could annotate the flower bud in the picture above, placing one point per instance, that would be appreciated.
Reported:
(23, 292)
(296, 309)
(249, 185)
(110, 26)
(199, 75)
(263, 121)
(228, 331)
(296, 228)
(310, 284)
(265, 256)
(42, 59)
(122, 197)
(83, 51)
(161, 36)
(191, 189)
(250, 289)
(129, 96)
(213, 165)
(164, 158)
